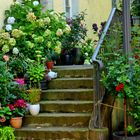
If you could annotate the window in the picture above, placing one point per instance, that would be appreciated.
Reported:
(48, 4)
(71, 8)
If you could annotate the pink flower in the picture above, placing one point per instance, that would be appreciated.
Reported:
(20, 81)
(20, 103)
(6, 58)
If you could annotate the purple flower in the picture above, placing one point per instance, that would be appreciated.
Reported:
(95, 27)
(69, 20)
(103, 24)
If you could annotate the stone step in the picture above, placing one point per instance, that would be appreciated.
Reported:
(67, 94)
(52, 133)
(75, 71)
(58, 119)
(66, 106)
(71, 83)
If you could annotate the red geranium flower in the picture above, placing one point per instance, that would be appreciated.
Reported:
(11, 107)
(119, 87)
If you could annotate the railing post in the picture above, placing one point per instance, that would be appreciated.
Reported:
(126, 27)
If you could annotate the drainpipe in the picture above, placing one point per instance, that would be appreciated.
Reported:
(126, 27)
(126, 46)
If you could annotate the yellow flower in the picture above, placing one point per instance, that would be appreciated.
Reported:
(40, 23)
(49, 44)
(12, 42)
(57, 49)
(5, 48)
(59, 32)
(47, 32)
(5, 35)
(31, 17)
(17, 33)
(67, 29)
(47, 20)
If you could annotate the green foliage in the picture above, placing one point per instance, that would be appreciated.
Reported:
(87, 50)
(121, 75)
(6, 83)
(34, 30)
(5, 114)
(7, 133)
(77, 34)
(35, 73)
(135, 42)
(135, 8)
(34, 95)
(17, 65)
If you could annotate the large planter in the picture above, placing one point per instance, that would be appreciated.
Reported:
(34, 109)
(16, 122)
(120, 136)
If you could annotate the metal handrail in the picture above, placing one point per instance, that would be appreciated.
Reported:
(107, 25)
(96, 122)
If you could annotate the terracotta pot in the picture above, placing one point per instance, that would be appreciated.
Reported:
(49, 64)
(16, 122)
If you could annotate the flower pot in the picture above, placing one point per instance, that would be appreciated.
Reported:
(120, 136)
(75, 55)
(49, 65)
(16, 122)
(44, 84)
(34, 109)
(66, 59)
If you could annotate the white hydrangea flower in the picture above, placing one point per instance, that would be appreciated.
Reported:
(86, 54)
(15, 50)
(8, 27)
(10, 20)
(86, 62)
(35, 3)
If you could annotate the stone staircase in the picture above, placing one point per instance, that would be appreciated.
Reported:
(66, 107)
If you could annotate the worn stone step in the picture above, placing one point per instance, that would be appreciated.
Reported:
(66, 106)
(75, 71)
(71, 83)
(58, 119)
(51, 133)
(67, 94)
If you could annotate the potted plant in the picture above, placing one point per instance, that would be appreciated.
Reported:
(34, 98)
(7, 133)
(36, 73)
(18, 109)
(70, 50)
(122, 81)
